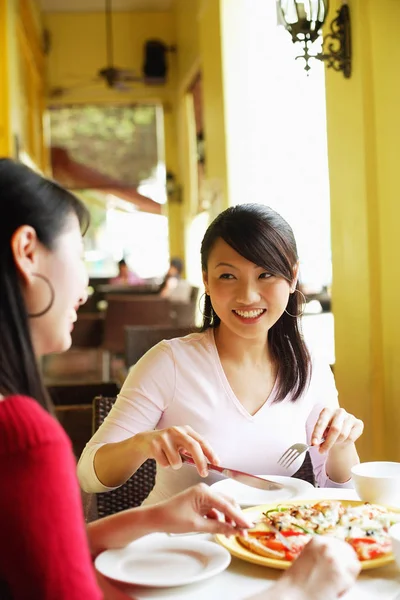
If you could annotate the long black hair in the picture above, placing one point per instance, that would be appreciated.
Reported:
(26, 198)
(263, 237)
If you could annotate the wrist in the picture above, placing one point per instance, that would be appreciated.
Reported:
(138, 444)
(158, 518)
(341, 458)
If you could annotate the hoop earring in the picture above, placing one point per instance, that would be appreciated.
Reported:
(52, 296)
(304, 304)
(209, 317)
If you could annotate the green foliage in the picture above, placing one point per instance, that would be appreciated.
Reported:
(117, 141)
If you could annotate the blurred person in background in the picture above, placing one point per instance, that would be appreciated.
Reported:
(174, 287)
(125, 276)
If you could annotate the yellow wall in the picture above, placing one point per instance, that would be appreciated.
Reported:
(188, 52)
(22, 86)
(199, 43)
(213, 91)
(188, 43)
(5, 100)
(363, 133)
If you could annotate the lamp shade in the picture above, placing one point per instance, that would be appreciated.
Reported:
(303, 18)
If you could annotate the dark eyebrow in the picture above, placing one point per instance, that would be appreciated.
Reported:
(224, 264)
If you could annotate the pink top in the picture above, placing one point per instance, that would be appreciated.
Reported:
(182, 382)
(132, 279)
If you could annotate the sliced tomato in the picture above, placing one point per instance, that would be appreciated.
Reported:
(290, 532)
(290, 556)
(261, 534)
(275, 545)
(293, 553)
(368, 548)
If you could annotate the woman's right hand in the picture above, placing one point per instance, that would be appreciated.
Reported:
(325, 570)
(167, 445)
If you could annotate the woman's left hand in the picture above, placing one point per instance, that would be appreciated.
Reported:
(337, 427)
(200, 509)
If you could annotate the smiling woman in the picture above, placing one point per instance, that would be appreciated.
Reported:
(242, 390)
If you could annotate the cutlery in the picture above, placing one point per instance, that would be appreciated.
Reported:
(293, 452)
(246, 478)
(284, 541)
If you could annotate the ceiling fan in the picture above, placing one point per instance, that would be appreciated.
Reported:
(154, 68)
(114, 77)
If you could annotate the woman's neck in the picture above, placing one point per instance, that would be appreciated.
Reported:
(242, 350)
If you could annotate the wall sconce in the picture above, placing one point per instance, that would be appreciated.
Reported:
(174, 190)
(304, 20)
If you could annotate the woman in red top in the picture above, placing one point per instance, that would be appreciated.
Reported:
(45, 552)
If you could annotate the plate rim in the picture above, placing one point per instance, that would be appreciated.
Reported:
(248, 505)
(235, 548)
(174, 542)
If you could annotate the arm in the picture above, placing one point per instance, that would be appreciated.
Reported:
(196, 509)
(127, 437)
(113, 455)
(43, 544)
(343, 429)
(332, 460)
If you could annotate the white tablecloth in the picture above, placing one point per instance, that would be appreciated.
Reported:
(241, 579)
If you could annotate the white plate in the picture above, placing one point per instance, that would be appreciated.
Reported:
(248, 496)
(160, 561)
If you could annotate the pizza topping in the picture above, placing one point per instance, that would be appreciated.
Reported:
(364, 526)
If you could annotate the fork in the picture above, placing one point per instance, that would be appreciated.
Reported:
(293, 453)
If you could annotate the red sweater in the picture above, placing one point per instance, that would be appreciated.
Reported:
(44, 552)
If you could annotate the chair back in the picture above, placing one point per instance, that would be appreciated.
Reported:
(183, 314)
(137, 488)
(132, 310)
(82, 393)
(73, 408)
(139, 339)
(88, 331)
(306, 471)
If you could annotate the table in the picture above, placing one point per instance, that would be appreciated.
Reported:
(242, 580)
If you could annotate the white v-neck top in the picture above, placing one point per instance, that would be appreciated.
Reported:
(182, 382)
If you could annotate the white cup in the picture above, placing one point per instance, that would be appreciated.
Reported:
(394, 533)
(378, 482)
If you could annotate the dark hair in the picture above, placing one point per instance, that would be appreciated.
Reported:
(263, 237)
(178, 264)
(122, 263)
(26, 198)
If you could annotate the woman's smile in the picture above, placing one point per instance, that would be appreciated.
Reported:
(249, 316)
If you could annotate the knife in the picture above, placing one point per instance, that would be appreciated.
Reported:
(245, 478)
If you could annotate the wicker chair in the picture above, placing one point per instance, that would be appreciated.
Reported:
(306, 471)
(137, 488)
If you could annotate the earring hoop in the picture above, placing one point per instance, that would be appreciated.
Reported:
(209, 317)
(52, 296)
(304, 305)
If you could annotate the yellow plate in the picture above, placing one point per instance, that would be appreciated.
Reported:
(236, 548)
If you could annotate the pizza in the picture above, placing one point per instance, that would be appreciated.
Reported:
(283, 531)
